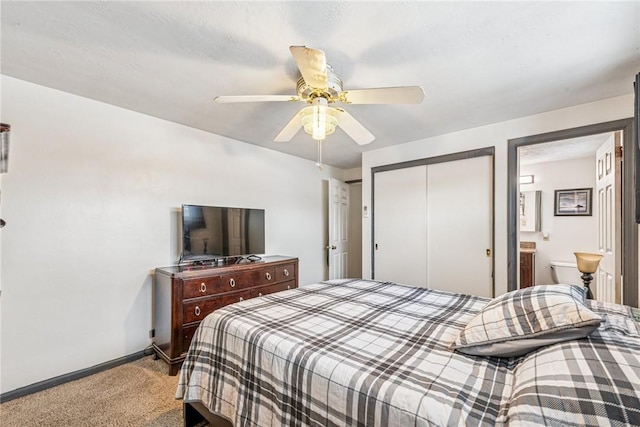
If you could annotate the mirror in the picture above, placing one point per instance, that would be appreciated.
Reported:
(530, 217)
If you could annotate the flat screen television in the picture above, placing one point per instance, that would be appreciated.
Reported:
(214, 232)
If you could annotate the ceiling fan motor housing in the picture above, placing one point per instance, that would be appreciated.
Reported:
(331, 92)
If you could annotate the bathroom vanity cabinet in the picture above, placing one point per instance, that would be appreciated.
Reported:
(527, 267)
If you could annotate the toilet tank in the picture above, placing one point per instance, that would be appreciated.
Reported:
(565, 272)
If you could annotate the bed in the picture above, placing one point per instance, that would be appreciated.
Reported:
(370, 353)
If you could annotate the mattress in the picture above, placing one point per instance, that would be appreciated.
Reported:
(371, 353)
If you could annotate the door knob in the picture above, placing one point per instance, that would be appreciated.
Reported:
(332, 247)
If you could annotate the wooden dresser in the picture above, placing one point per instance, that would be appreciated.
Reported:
(183, 296)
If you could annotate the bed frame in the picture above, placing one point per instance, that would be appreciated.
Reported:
(197, 415)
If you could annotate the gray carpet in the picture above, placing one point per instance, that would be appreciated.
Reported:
(139, 393)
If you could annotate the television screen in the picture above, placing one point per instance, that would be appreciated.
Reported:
(210, 232)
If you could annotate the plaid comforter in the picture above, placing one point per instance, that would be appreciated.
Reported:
(367, 353)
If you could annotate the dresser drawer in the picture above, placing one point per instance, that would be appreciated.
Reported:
(285, 272)
(247, 279)
(183, 297)
(265, 290)
(187, 335)
(194, 288)
(197, 310)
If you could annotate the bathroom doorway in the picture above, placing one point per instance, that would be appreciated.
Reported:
(548, 240)
(571, 232)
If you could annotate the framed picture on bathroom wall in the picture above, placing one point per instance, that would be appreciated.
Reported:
(573, 202)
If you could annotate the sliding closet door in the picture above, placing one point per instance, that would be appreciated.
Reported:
(459, 224)
(400, 226)
(433, 223)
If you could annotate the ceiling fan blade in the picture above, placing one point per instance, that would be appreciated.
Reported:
(384, 95)
(312, 64)
(353, 128)
(290, 129)
(255, 98)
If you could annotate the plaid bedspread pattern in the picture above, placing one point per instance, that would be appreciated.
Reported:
(366, 353)
(587, 382)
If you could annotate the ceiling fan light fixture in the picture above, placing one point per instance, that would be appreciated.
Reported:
(319, 120)
(318, 127)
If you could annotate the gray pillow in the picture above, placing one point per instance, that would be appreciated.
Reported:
(521, 321)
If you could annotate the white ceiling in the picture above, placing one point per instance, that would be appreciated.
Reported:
(565, 149)
(478, 62)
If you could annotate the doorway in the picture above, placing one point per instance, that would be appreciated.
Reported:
(629, 230)
(355, 228)
(549, 238)
(344, 229)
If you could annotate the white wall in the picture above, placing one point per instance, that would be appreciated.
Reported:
(91, 202)
(353, 174)
(495, 135)
(567, 234)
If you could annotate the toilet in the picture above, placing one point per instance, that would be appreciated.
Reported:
(565, 272)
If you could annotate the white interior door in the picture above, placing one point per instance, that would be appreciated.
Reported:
(338, 229)
(234, 228)
(459, 237)
(400, 226)
(607, 284)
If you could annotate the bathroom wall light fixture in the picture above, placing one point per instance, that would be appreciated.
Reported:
(526, 179)
(587, 265)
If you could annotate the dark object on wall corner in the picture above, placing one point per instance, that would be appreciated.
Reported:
(4, 147)
(636, 121)
(4, 154)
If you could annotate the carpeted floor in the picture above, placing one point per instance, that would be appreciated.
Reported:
(139, 393)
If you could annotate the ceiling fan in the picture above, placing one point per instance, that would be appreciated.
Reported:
(320, 87)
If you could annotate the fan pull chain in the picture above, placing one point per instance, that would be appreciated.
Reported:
(319, 164)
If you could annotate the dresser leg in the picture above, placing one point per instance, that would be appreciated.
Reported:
(174, 369)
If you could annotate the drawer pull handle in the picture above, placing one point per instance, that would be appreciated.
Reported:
(268, 276)
(288, 287)
(241, 299)
(203, 287)
(232, 283)
(286, 273)
(197, 311)
(259, 294)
